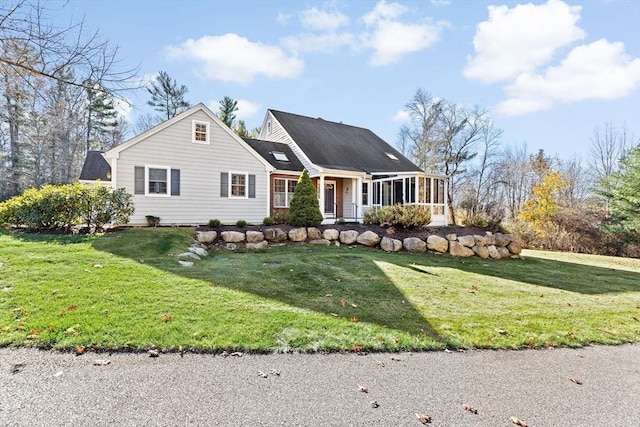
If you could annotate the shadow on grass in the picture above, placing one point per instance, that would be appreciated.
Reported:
(337, 282)
(33, 237)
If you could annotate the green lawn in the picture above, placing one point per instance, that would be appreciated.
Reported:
(125, 291)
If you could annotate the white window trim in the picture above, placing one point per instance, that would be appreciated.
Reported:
(146, 180)
(369, 191)
(286, 192)
(246, 185)
(193, 132)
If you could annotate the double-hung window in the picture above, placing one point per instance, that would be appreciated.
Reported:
(365, 194)
(238, 185)
(200, 132)
(156, 181)
(283, 190)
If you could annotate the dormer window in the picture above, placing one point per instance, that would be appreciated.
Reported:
(392, 156)
(200, 132)
(280, 156)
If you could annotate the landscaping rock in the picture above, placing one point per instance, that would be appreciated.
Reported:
(451, 237)
(390, 245)
(206, 237)
(348, 237)
(275, 235)
(232, 236)
(468, 241)
(493, 252)
(438, 244)
(490, 238)
(320, 242)
(189, 255)
(504, 252)
(186, 263)
(514, 247)
(480, 240)
(368, 238)
(481, 251)
(231, 246)
(501, 239)
(414, 244)
(255, 236)
(459, 250)
(198, 251)
(331, 234)
(298, 234)
(259, 245)
(313, 233)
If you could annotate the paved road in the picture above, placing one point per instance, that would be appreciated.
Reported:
(323, 390)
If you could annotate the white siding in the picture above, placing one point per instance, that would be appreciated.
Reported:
(200, 167)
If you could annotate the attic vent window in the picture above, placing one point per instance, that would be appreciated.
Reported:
(391, 156)
(280, 156)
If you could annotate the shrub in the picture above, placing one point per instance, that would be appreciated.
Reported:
(475, 220)
(214, 223)
(268, 221)
(280, 217)
(241, 223)
(304, 210)
(399, 216)
(62, 206)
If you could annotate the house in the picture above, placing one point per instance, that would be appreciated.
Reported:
(193, 168)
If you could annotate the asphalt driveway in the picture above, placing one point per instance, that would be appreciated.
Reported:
(539, 387)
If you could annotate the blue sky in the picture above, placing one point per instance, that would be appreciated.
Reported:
(549, 72)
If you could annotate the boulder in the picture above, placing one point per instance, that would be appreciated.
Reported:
(480, 240)
(198, 251)
(459, 250)
(504, 252)
(275, 235)
(490, 238)
(368, 238)
(186, 263)
(437, 243)
(493, 252)
(298, 234)
(390, 245)
(414, 244)
(313, 233)
(514, 247)
(481, 251)
(231, 246)
(258, 245)
(501, 239)
(468, 241)
(451, 237)
(255, 236)
(331, 234)
(206, 237)
(348, 237)
(188, 255)
(319, 242)
(232, 236)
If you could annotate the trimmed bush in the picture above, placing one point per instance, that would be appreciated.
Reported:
(280, 217)
(241, 223)
(214, 223)
(399, 216)
(304, 210)
(268, 221)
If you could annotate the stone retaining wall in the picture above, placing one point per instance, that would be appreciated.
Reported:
(494, 246)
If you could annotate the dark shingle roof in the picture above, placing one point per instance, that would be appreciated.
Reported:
(266, 150)
(339, 146)
(95, 167)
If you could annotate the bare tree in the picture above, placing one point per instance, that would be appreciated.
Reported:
(608, 145)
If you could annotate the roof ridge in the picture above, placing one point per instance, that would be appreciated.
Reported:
(320, 118)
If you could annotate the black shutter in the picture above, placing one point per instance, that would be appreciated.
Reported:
(175, 182)
(224, 184)
(139, 180)
(252, 186)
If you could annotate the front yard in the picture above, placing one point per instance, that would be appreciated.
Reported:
(124, 290)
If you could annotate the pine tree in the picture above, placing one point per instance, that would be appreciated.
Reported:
(228, 106)
(166, 96)
(102, 117)
(304, 209)
(622, 190)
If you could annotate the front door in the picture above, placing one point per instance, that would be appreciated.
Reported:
(329, 199)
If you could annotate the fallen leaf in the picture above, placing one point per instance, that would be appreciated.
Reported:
(153, 352)
(380, 363)
(363, 389)
(165, 317)
(354, 319)
(101, 362)
(354, 305)
(357, 348)
(518, 422)
(236, 354)
(424, 418)
(343, 303)
(275, 372)
(97, 265)
(224, 354)
(470, 408)
(79, 350)
(58, 374)
(574, 380)
(502, 331)
(17, 367)
(474, 287)
(72, 307)
(334, 314)
(374, 404)
(262, 374)
(328, 295)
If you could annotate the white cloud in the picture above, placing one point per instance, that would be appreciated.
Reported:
(283, 18)
(330, 20)
(247, 109)
(323, 42)
(402, 116)
(232, 58)
(518, 40)
(600, 70)
(383, 12)
(441, 2)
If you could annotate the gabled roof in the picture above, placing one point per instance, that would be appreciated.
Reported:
(334, 145)
(270, 152)
(95, 167)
